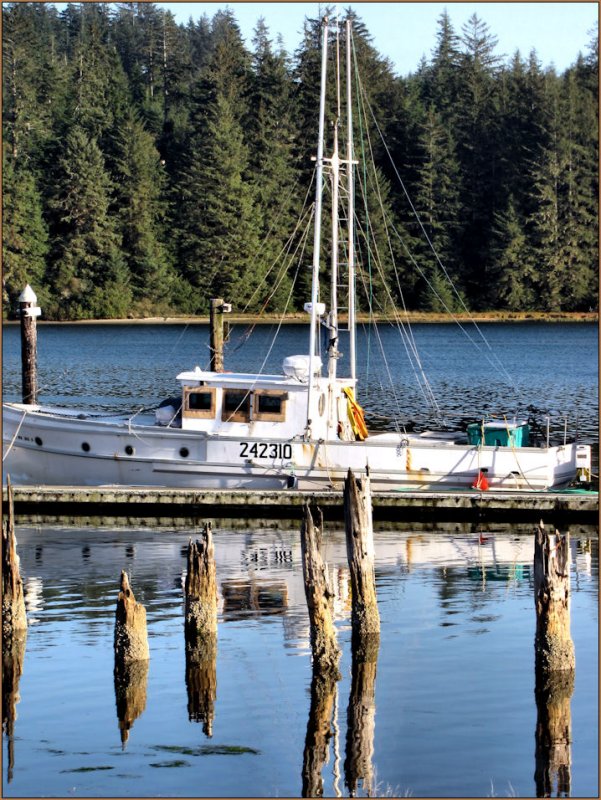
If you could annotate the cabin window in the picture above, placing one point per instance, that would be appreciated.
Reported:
(236, 405)
(269, 406)
(199, 403)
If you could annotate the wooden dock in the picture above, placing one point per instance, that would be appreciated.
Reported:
(140, 502)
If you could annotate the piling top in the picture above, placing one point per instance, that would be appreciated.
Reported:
(28, 295)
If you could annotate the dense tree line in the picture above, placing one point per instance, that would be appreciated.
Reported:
(148, 166)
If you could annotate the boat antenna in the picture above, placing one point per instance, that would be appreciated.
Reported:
(318, 204)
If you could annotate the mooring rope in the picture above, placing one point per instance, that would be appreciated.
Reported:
(15, 436)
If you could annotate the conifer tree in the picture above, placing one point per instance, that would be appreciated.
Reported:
(88, 274)
(140, 183)
(437, 202)
(272, 168)
(513, 284)
(24, 235)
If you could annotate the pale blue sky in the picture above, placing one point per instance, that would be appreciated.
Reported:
(404, 32)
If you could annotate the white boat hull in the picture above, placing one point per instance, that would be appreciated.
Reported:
(47, 448)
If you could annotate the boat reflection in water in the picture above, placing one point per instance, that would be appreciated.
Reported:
(452, 678)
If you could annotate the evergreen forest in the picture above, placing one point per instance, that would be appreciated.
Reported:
(149, 166)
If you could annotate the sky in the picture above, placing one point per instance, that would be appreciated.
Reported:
(404, 32)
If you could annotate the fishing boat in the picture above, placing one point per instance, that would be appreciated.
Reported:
(300, 429)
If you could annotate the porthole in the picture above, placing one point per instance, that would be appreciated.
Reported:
(129, 450)
(38, 441)
(85, 447)
(184, 452)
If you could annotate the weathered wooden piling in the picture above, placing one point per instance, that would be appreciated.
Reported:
(554, 648)
(131, 680)
(131, 637)
(555, 664)
(217, 336)
(319, 594)
(200, 629)
(29, 311)
(201, 591)
(360, 553)
(14, 618)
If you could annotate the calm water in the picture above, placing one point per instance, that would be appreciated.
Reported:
(455, 713)
(551, 367)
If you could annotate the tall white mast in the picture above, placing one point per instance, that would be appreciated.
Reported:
(317, 233)
(351, 210)
(334, 162)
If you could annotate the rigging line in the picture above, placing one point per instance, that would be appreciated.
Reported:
(407, 336)
(283, 270)
(436, 256)
(299, 246)
(391, 387)
(404, 338)
(382, 349)
(360, 93)
(493, 362)
(409, 332)
(288, 241)
(281, 322)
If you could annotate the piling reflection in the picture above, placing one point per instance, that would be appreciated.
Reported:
(553, 693)
(201, 681)
(361, 715)
(13, 656)
(131, 679)
(319, 731)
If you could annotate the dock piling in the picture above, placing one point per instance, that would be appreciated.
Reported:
(361, 556)
(131, 638)
(14, 617)
(553, 643)
(29, 311)
(555, 664)
(218, 333)
(324, 646)
(201, 630)
(201, 590)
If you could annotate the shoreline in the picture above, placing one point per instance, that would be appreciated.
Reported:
(301, 318)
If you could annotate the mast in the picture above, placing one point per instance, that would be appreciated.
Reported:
(333, 315)
(351, 210)
(317, 232)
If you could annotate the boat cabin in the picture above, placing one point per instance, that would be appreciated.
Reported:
(264, 406)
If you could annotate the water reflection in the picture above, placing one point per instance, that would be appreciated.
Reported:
(319, 732)
(477, 582)
(131, 681)
(201, 682)
(361, 715)
(553, 693)
(13, 657)
(249, 595)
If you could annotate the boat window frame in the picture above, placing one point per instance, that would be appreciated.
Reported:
(196, 413)
(242, 411)
(268, 416)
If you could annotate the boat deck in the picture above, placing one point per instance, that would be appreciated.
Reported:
(51, 502)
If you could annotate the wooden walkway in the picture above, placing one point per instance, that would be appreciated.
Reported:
(62, 501)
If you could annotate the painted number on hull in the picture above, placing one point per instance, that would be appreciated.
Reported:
(265, 450)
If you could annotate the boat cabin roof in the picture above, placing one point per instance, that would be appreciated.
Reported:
(237, 379)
